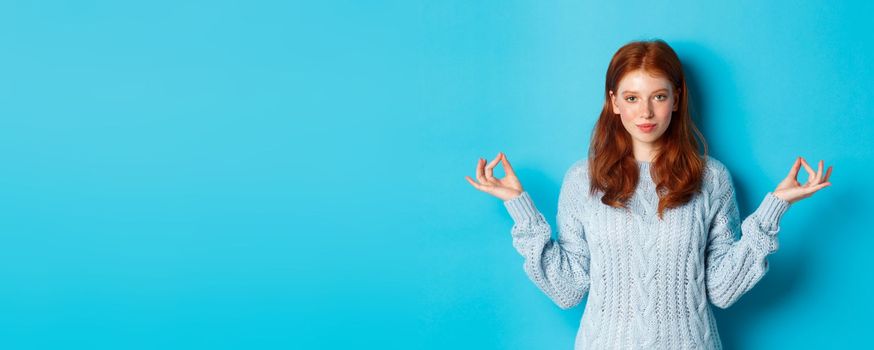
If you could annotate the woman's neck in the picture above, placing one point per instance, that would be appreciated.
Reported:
(645, 153)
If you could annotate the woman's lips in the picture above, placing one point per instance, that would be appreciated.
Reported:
(646, 127)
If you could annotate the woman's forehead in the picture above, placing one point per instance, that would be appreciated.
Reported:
(639, 81)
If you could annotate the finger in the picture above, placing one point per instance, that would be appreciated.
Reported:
(491, 166)
(475, 185)
(793, 172)
(819, 171)
(810, 173)
(828, 173)
(818, 187)
(480, 176)
(507, 168)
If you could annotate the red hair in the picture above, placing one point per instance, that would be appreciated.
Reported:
(677, 168)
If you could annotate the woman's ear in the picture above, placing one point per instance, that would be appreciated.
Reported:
(677, 99)
(613, 103)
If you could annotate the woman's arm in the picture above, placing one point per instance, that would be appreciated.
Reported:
(734, 266)
(559, 268)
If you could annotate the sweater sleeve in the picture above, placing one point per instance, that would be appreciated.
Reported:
(560, 268)
(734, 266)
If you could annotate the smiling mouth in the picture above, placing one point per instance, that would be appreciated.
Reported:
(647, 128)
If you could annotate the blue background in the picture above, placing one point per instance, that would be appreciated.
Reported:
(240, 174)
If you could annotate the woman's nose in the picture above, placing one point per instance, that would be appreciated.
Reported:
(648, 110)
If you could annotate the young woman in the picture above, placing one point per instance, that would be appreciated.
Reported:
(647, 226)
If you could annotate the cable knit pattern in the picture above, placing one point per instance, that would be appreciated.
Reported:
(649, 282)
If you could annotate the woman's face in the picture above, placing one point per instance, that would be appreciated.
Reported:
(644, 100)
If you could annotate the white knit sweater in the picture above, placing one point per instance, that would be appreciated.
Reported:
(650, 283)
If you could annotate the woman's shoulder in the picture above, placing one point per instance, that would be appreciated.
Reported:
(578, 170)
(713, 165)
(577, 175)
(576, 181)
(716, 174)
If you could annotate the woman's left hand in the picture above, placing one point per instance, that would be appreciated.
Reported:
(792, 191)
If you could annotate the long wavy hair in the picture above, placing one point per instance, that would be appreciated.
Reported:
(677, 168)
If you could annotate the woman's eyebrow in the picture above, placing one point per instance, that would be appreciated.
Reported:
(634, 92)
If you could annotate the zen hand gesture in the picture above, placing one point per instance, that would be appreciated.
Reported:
(790, 190)
(506, 188)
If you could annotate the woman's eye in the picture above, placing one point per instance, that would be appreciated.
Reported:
(661, 97)
(629, 98)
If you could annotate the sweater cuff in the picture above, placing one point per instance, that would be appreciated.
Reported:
(771, 210)
(521, 208)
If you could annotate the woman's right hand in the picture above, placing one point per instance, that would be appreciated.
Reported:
(505, 188)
